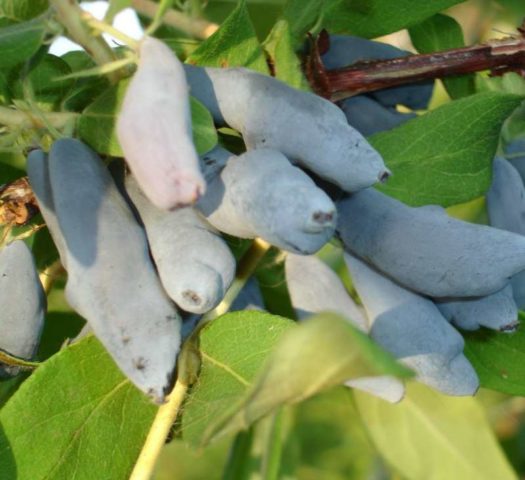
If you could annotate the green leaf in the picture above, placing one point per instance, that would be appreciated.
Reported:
(43, 77)
(11, 166)
(270, 367)
(284, 60)
(499, 359)
(19, 42)
(452, 435)
(373, 18)
(234, 44)
(445, 156)
(75, 417)
(332, 438)
(22, 10)
(97, 123)
(304, 16)
(204, 133)
(442, 32)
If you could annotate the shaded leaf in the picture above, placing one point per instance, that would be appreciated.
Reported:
(456, 436)
(270, 368)
(445, 156)
(43, 80)
(441, 32)
(97, 123)
(234, 44)
(373, 18)
(499, 359)
(21, 10)
(363, 18)
(75, 417)
(19, 42)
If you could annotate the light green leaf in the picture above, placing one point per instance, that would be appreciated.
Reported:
(373, 18)
(22, 10)
(97, 123)
(19, 42)
(234, 44)
(285, 63)
(499, 359)
(270, 368)
(75, 417)
(445, 156)
(434, 437)
(442, 32)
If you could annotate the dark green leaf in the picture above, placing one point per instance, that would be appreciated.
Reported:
(234, 44)
(455, 436)
(11, 166)
(18, 42)
(75, 417)
(442, 32)
(97, 123)
(240, 463)
(499, 359)
(270, 367)
(44, 80)
(373, 18)
(445, 156)
(22, 10)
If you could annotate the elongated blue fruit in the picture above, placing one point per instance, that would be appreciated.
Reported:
(249, 298)
(506, 209)
(38, 173)
(345, 50)
(368, 116)
(497, 311)
(23, 304)
(308, 129)
(506, 198)
(111, 280)
(314, 288)
(195, 265)
(154, 129)
(260, 194)
(412, 329)
(515, 154)
(425, 250)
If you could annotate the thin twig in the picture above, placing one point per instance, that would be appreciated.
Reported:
(497, 56)
(70, 15)
(196, 27)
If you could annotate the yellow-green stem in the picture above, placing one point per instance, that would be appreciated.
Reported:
(196, 27)
(17, 118)
(158, 433)
(70, 15)
(189, 365)
(13, 361)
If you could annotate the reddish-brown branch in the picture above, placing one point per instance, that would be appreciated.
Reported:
(497, 56)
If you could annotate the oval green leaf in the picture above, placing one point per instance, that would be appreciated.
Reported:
(445, 156)
(275, 362)
(76, 417)
(433, 436)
